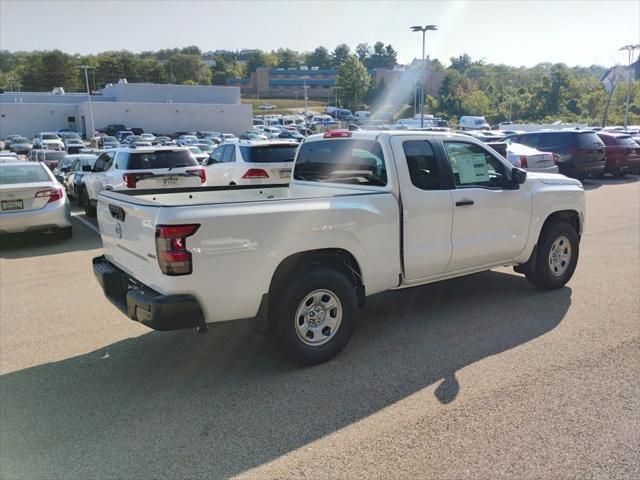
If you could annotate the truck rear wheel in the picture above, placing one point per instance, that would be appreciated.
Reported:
(556, 256)
(89, 210)
(312, 315)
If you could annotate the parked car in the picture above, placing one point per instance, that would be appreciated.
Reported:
(531, 159)
(122, 135)
(108, 142)
(113, 129)
(165, 141)
(62, 167)
(292, 135)
(73, 145)
(9, 157)
(186, 139)
(20, 145)
(74, 174)
(228, 137)
(267, 106)
(253, 135)
(198, 154)
(206, 148)
(579, 153)
(251, 162)
(48, 141)
(470, 122)
(149, 137)
(51, 158)
(305, 256)
(36, 155)
(32, 200)
(9, 139)
(130, 168)
(622, 154)
(206, 134)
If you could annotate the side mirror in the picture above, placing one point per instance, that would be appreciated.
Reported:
(518, 176)
(86, 168)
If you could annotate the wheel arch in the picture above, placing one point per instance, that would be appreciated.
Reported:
(572, 217)
(337, 258)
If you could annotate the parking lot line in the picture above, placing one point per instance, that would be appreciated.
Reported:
(85, 222)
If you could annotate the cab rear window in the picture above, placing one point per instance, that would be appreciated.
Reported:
(352, 161)
(161, 159)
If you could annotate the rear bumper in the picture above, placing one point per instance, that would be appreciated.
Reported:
(144, 305)
(53, 216)
(553, 169)
(579, 169)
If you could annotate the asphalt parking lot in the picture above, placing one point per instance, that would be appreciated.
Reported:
(477, 377)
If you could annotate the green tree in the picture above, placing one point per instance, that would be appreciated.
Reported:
(287, 58)
(44, 71)
(353, 81)
(340, 54)
(182, 67)
(257, 59)
(320, 57)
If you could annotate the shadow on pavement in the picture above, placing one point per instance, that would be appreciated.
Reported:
(179, 404)
(39, 244)
(593, 183)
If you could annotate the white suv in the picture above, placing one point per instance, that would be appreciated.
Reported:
(48, 141)
(143, 168)
(251, 163)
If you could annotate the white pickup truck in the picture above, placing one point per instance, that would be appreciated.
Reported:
(365, 212)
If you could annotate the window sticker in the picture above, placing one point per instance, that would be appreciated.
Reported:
(472, 168)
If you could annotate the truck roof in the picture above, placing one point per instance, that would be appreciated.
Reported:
(379, 134)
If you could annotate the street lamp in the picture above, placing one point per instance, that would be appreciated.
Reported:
(86, 78)
(418, 28)
(306, 98)
(630, 49)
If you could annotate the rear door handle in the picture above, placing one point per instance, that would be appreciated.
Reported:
(464, 203)
(117, 212)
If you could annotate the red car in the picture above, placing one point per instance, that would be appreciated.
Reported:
(622, 154)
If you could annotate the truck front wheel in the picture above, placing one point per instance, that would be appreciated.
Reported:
(312, 315)
(556, 256)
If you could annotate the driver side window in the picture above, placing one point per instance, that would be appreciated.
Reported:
(475, 167)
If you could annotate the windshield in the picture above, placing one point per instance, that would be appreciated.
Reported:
(50, 136)
(626, 141)
(33, 173)
(195, 150)
(54, 154)
(160, 159)
(269, 153)
(348, 161)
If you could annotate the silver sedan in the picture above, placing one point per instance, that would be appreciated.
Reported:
(31, 199)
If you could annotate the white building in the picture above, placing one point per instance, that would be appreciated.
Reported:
(155, 108)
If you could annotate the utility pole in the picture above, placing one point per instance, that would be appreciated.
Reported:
(419, 28)
(86, 78)
(630, 49)
(306, 99)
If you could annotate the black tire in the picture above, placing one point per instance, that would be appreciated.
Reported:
(65, 233)
(286, 300)
(89, 210)
(542, 274)
(620, 174)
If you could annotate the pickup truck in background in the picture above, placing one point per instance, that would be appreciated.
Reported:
(365, 212)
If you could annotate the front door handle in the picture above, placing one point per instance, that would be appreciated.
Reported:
(464, 203)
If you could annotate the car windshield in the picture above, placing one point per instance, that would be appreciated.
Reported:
(342, 160)
(54, 155)
(195, 150)
(109, 139)
(269, 153)
(27, 173)
(50, 136)
(160, 159)
(21, 140)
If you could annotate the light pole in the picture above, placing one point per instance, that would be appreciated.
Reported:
(306, 98)
(86, 78)
(419, 28)
(630, 49)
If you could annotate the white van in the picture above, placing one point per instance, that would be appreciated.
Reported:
(361, 115)
(468, 122)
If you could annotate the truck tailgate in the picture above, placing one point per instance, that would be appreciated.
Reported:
(128, 237)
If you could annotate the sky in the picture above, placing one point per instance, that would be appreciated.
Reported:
(513, 32)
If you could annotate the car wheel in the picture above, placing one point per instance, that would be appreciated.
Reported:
(556, 256)
(312, 315)
(89, 210)
(620, 174)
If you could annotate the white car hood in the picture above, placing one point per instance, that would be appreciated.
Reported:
(553, 178)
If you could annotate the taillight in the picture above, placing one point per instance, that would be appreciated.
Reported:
(201, 172)
(254, 173)
(131, 179)
(171, 248)
(523, 161)
(53, 194)
(338, 133)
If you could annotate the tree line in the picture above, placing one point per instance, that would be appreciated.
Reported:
(543, 93)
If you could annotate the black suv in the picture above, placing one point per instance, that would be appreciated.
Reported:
(579, 153)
